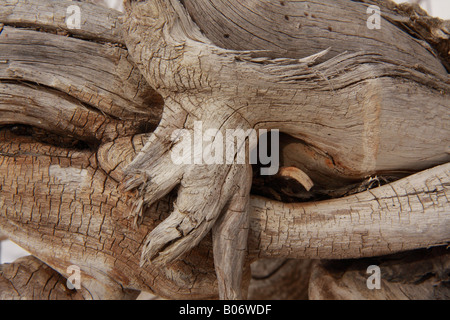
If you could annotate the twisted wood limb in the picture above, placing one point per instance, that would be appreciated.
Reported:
(407, 214)
(230, 238)
(229, 89)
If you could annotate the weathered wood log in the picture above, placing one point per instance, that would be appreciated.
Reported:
(383, 220)
(60, 180)
(252, 25)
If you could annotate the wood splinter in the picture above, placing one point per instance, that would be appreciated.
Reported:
(298, 175)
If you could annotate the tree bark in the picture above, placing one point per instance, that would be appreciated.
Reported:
(78, 112)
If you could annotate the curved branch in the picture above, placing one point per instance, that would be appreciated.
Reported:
(407, 214)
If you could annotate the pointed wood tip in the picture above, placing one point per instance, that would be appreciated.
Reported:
(298, 175)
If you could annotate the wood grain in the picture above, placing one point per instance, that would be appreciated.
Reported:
(349, 116)
(97, 23)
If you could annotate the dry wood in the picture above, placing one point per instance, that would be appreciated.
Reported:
(418, 275)
(281, 279)
(350, 116)
(97, 75)
(272, 90)
(97, 23)
(30, 279)
(301, 28)
(404, 215)
(298, 175)
(323, 231)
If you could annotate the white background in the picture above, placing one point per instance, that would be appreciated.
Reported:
(440, 8)
(437, 8)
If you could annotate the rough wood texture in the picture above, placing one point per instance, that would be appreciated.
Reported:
(97, 75)
(407, 214)
(85, 210)
(351, 116)
(297, 29)
(280, 279)
(418, 275)
(97, 23)
(30, 279)
(264, 87)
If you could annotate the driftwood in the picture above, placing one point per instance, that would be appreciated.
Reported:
(75, 133)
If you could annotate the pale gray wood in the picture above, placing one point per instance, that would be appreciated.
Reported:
(97, 23)
(99, 75)
(79, 204)
(230, 238)
(298, 29)
(33, 105)
(345, 107)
